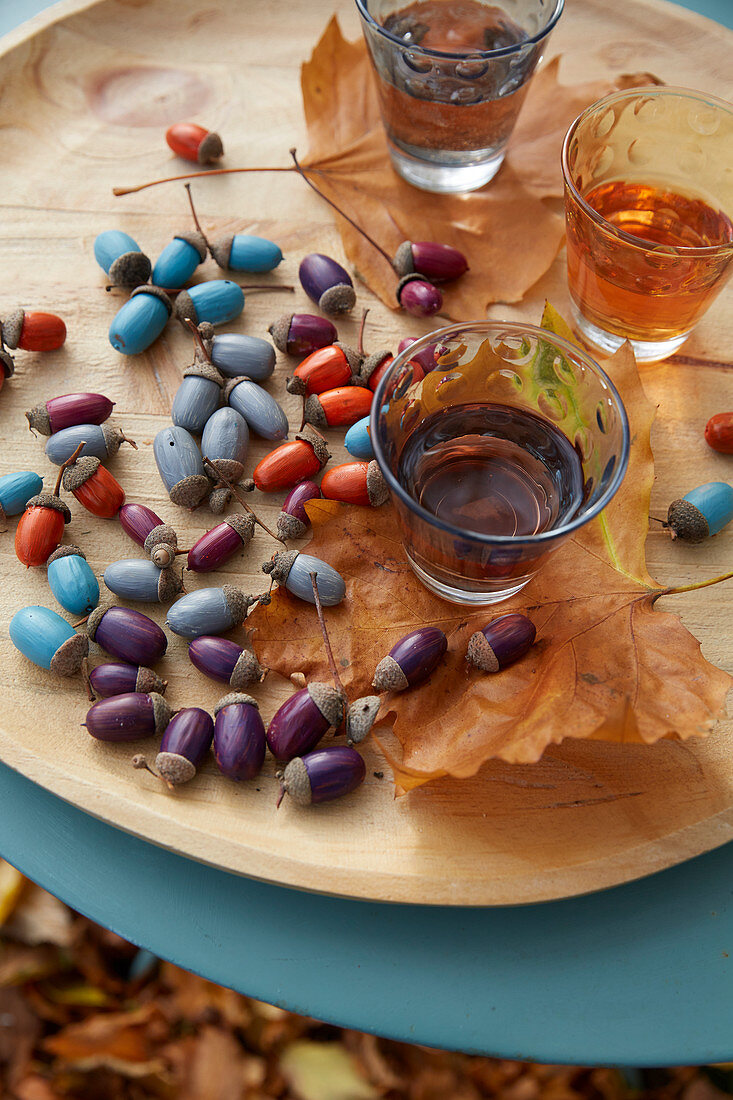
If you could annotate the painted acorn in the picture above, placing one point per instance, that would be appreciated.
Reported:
(216, 301)
(16, 490)
(46, 639)
(418, 297)
(239, 737)
(180, 466)
(72, 580)
(355, 483)
(33, 330)
(338, 408)
(325, 369)
(197, 397)
(94, 487)
(300, 723)
(327, 284)
(194, 143)
(301, 333)
(208, 611)
(127, 634)
(377, 365)
(67, 411)
(224, 660)
(292, 462)
(120, 257)
(360, 718)
(129, 717)
(322, 776)
(140, 321)
(179, 260)
(261, 411)
(147, 529)
(293, 570)
(501, 642)
(186, 741)
(411, 660)
(237, 355)
(719, 433)
(7, 365)
(100, 441)
(293, 521)
(358, 440)
(243, 252)
(437, 262)
(702, 512)
(141, 579)
(40, 528)
(225, 440)
(221, 543)
(120, 678)
(427, 358)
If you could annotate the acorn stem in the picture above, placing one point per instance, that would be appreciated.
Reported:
(65, 465)
(693, 587)
(338, 210)
(138, 761)
(326, 641)
(195, 216)
(197, 338)
(361, 332)
(195, 176)
(266, 286)
(236, 493)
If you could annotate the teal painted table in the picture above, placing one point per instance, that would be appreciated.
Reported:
(641, 974)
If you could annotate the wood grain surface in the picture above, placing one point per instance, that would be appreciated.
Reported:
(86, 92)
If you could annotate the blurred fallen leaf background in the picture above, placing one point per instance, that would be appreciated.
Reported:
(84, 1015)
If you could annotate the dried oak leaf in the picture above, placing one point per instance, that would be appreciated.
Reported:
(606, 665)
(508, 232)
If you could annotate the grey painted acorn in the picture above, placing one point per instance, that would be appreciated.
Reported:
(411, 660)
(141, 579)
(261, 411)
(293, 570)
(186, 741)
(322, 776)
(239, 736)
(100, 441)
(224, 660)
(197, 397)
(360, 718)
(300, 723)
(237, 355)
(501, 642)
(209, 611)
(180, 466)
(129, 717)
(225, 440)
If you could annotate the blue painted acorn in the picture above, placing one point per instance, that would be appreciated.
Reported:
(180, 466)
(702, 512)
(100, 441)
(185, 743)
(216, 301)
(239, 736)
(293, 570)
(16, 490)
(225, 441)
(235, 354)
(261, 411)
(241, 252)
(140, 321)
(72, 580)
(120, 257)
(327, 283)
(358, 441)
(208, 611)
(141, 579)
(178, 260)
(49, 641)
(197, 397)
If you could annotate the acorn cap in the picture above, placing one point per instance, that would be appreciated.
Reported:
(157, 292)
(330, 701)
(360, 718)
(210, 149)
(161, 711)
(162, 534)
(290, 527)
(184, 308)
(95, 618)
(196, 240)
(200, 368)
(169, 585)
(67, 659)
(174, 768)
(247, 670)
(403, 262)
(244, 524)
(232, 382)
(190, 491)
(148, 681)
(79, 472)
(113, 437)
(295, 385)
(130, 269)
(8, 363)
(231, 468)
(320, 448)
(295, 782)
(313, 412)
(221, 250)
(388, 676)
(66, 552)
(163, 555)
(12, 328)
(39, 420)
(376, 486)
(206, 331)
(234, 698)
(280, 565)
(50, 500)
(337, 299)
(353, 357)
(371, 363)
(280, 330)
(480, 653)
(219, 499)
(687, 522)
(238, 602)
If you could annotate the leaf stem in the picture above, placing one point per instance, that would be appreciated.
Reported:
(676, 589)
(326, 641)
(195, 176)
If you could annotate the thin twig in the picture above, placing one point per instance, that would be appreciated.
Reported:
(326, 641)
(361, 331)
(195, 215)
(69, 462)
(197, 337)
(195, 176)
(236, 493)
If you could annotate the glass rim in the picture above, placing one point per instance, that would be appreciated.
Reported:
(475, 55)
(690, 251)
(516, 328)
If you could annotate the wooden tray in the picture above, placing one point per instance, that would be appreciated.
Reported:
(87, 91)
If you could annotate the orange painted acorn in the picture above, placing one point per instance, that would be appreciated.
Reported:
(355, 483)
(33, 331)
(194, 143)
(325, 369)
(94, 487)
(290, 463)
(719, 433)
(338, 408)
(40, 529)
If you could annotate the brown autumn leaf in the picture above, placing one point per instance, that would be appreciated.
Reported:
(607, 665)
(120, 1041)
(508, 232)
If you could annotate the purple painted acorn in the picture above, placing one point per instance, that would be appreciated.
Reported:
(302, 333)
(224, 660)
(437, 262)
(293, 521)
(119, 678)
(501, 642)
(127, 634)
(303, 719)
(185, 743)
(71, 408)
(327, 283)
(147, 529)
(412, 660)
(128, 717)
(239, 736)
(221, 543)
(322, 776)
(427, 358)
(418, 297)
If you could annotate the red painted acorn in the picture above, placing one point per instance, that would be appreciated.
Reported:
(355, 483)
(32, 330)
(338, 408)
(291, 462)
(194, 143)
(40, 528)
(324, 369)
(94, 487)
(719, 433)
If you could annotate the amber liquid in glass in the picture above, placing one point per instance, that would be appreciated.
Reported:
(649, 290)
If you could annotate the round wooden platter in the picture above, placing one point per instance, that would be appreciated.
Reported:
(87, 91)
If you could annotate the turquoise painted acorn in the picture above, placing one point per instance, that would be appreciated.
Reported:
(72, 580)
(261, 411)
(120, 257)
(178, 260)
(209, 611)
(225, 441)
(16, 490)
(47, 640)
(141, 579)
(197, 397)
(241, 252)
(180, 466)
(235, 354)
(140, 321)
(702, 512)
(216, 301)
(358, 441)
(100, 441)
(293, 570)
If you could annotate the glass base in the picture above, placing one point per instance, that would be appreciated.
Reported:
(646, 351)
(444, 178)
(466, 597)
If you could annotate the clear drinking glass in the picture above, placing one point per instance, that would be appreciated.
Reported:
(451, 77)
(648, 207)
(515, 440)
